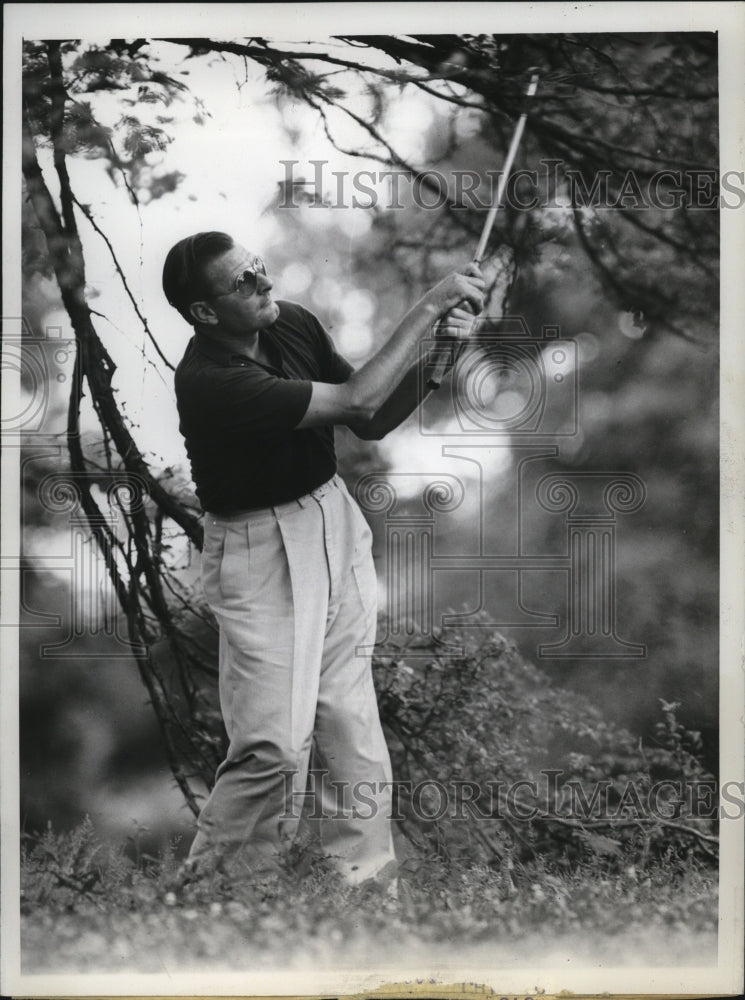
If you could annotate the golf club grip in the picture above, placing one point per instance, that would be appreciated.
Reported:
(441, 359)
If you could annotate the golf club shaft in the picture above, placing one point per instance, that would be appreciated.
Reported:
(443, 355)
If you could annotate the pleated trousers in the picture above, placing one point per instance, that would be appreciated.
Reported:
(294, 592)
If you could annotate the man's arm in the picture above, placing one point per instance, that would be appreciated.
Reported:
(410, 391)
(358, 401)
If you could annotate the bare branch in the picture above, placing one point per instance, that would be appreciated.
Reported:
(89, 216)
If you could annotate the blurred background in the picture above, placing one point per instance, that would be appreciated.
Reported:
(645, 402)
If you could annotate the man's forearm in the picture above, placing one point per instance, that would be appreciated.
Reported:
(404, 397)
(370, 386)
(358, 400)
(400, 404)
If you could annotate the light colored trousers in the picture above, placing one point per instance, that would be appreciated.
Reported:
(294, 592)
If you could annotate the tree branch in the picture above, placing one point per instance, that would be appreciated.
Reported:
(89, 216)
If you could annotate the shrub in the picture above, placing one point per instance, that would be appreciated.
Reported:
(497, 765)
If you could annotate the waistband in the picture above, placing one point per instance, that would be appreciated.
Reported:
(277, 510)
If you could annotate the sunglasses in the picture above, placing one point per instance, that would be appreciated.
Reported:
(246, 282)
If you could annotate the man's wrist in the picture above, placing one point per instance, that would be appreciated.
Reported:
(431, 310)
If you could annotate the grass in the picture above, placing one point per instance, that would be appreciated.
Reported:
(88, 907)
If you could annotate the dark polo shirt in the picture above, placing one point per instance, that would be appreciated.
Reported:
(238, 417)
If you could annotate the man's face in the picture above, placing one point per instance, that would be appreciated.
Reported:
(238, 314)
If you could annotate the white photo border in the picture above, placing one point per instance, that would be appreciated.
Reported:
(321, 20)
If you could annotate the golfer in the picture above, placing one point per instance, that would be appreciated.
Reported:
(287, 567)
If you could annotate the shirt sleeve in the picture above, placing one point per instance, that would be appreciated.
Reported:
(246, 400)
(337, 367)
(334, 366)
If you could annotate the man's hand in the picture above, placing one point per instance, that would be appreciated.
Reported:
(457, 289)
(457, 324)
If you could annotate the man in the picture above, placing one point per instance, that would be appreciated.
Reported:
(287, 566)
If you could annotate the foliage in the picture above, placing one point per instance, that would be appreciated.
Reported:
(469, 731)
(596, 110)
(65, 868)
(121, 913)
(484, 723)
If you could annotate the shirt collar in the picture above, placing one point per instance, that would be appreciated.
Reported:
(218, 352)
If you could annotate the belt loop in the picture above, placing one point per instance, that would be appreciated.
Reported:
(282, 509)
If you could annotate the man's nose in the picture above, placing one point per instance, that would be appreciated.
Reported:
(264, 282)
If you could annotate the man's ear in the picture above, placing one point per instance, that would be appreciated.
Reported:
(203, 313)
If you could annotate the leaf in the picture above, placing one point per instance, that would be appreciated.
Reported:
(142, 139)
(601, 845)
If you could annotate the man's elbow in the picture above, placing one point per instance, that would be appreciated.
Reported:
(362, 413)
(367, 430)
(360, 406)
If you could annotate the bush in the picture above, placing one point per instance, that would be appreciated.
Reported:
(498, 766)
(500, 777)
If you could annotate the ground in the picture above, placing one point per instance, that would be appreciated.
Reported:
(132, 916)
